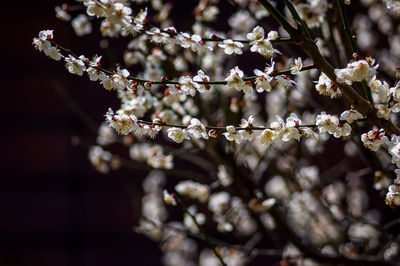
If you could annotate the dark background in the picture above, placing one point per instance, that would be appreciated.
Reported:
(54, 208)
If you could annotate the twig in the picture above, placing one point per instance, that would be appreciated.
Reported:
(353, 45)
(206, 238)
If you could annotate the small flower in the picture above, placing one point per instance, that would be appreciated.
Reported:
(157, 36)
(201, 77)
(264, 47)
(231, 47)
(394, 149)
(382, 111)
(297, 66)
(231, 135)
(178, 134)
(382, 89)
(169, 198)
(62, 14)
(120, 14)
(43, 44)
(351, 115)
(326, 87)
(332, 125)
(374, 139)
(46, 35)
(247, 134)
(234, 79)
(285, 81)
(75, 65)
(121, 79)
(188, 86)
(197, 129)
(100, 159)
(395, 91)
(267, 137)
(290, 129)
(263, 81)
(393, 194)
(256, 35)
(122, 123)
(194, 42)
(356, 71)
(213, 133)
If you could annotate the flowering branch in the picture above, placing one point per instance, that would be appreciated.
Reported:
(174, 82)
(351, 95)
(237, 128)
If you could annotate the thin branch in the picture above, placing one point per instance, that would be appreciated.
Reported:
(297, 18)
(236, 128)
(278, 17)
(206, 237)
(174, 82)
(353, 45)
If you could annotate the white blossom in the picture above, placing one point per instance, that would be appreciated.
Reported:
(267, 136)
(247, 134)
(382, 111)
(256, 35)
(374, 139)
(231, 134)
(351, 115)
(235, 79)
(332, 125)
(178, 134)
(380, 88)
(201, 77)
(169, 198)
(356, 71)
(326, 87)
(75, 65)
(395, 91)
(297, 66)
(122, 123)
(188, 86)
(263, 80)
(231, 47)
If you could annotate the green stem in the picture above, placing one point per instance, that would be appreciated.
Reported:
(353, 45)
(298, 19)
(346, 24)
(278, 17)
